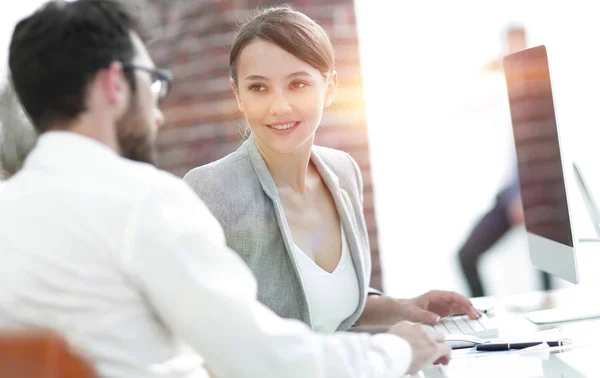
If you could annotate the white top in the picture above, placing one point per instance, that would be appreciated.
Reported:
(332, 297)
(120, 257)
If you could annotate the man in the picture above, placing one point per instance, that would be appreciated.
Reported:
(124, 260)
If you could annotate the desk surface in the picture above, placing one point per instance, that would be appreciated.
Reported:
(576, 361)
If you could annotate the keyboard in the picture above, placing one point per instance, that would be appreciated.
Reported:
(484, 327)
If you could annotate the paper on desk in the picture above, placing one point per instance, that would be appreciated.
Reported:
(547, 335)
(511, 365)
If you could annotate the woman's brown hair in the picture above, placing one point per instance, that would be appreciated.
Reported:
(292, 31)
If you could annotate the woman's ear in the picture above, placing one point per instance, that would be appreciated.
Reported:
(332, 83)
(237, 94)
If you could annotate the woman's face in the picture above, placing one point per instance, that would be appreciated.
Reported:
(281, 96)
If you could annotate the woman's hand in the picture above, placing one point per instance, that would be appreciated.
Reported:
(429, 307)
(426, 308)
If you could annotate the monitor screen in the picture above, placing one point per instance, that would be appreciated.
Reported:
(536, 139)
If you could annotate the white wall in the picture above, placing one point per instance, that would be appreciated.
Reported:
(439, 127)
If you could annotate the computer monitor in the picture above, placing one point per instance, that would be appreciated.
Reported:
(541, 171)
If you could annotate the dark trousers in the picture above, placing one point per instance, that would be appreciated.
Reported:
(490, 228)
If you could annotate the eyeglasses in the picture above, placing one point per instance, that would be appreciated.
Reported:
(161, 80)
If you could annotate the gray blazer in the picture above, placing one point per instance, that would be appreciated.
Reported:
(241, 194)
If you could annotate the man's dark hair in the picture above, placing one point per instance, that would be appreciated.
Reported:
(57, 50)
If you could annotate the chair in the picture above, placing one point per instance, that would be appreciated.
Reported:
(40, 354)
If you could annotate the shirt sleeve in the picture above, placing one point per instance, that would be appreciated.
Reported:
(205, 294)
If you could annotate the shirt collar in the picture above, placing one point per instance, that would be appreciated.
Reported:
(62, 149)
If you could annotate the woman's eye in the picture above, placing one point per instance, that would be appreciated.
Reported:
(298, 84)
(256, 88)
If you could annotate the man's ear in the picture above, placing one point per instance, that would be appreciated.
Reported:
(332, 84)
(114, 84)
(237, 94)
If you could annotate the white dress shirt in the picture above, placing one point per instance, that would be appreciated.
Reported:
(120, 257)
(332, 297)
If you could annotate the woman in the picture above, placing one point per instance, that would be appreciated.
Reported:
(292, 210)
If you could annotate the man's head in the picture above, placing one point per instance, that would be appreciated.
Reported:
(82, 66)
(516, 39)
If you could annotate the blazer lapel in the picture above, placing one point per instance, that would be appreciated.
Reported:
(268, 185)
(343, 205)
(262, 172)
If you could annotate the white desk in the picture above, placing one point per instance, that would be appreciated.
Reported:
(576, 361)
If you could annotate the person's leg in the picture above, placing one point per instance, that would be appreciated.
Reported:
(548, 301)
(546, 281)
(486, 232)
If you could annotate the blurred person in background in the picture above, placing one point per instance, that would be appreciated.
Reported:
(292, 210)
(507, 211)
(17, 135)
(123, 260)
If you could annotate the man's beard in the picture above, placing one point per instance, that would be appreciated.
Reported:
(136, 139)
(138, 145)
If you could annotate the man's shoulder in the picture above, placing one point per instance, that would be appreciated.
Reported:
(163, 189)
(139, 179)
(147, 173)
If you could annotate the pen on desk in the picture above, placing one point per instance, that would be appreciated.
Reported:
(508, 346)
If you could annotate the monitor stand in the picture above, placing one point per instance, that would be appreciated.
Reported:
(574, 313)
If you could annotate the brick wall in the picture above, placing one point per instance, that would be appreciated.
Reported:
(202, 117)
